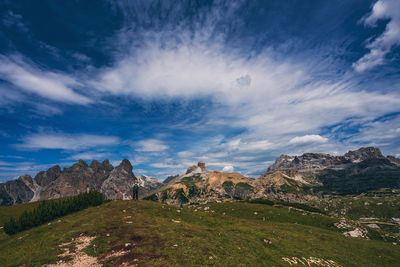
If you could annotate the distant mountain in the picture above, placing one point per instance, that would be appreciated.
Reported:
(290, 178)
(114, 183)
(200, 184)
(148, 184)
(354, 172)
(169, 178)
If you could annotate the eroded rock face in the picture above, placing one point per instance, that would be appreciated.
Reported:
(119, 183)
(148, 183)
(394, 160)
(362, 154)
(322, 161)
(44, 178)
(16, 191)
(201, 167)
(54, 183)
(305, 161)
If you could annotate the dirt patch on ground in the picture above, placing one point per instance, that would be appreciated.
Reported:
(79, 258)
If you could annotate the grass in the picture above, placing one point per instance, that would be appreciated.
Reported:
(219, 234)
(382, 207)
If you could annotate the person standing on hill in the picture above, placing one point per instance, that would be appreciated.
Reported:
(135, 191)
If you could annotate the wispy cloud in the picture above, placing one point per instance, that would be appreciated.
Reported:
(150, 145)
(380, 46)
(89, 156)
(66, 141)
(308, 139)
(48, 84)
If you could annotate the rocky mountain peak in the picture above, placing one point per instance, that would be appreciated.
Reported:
(200, 167)
(105, 165)
(27, 179)
(119, 183)
(305, 161)
(394, 160)
(126, 165)
(95, 164)
(46, 177)
(81, 162)
(362, 154)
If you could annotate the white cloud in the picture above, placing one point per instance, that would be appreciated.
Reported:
(162, 165)
(151, 145)
(308, 139)
(228, 168)
(66, 141)
(48, 84)
(185, 154)
(380, 46)
(89, 156)
(242, 146)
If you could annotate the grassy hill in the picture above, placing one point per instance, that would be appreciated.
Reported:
(222, 234)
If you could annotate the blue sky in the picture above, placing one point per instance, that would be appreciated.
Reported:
(169, 83)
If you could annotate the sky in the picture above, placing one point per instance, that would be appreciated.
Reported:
(169, 83)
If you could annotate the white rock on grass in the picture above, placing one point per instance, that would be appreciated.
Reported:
(373, 225)
(358, 232)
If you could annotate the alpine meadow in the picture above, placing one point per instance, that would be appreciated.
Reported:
(199, 133)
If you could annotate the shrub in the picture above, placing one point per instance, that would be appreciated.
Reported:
(244, 186)
(152, 197)
(228, 184)
(180, 195)
(262, 201)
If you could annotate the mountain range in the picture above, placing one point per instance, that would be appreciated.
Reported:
(290, 178)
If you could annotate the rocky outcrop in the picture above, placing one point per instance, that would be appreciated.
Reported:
(290, 178)
(76, 179)
(148, 183)
(199, 168)
(16, 191)
(170, 178)
(305, 161)
(355, 172)
(44, 178)
(120, 182)
(362, 154)
(317, 161)
(394, 160)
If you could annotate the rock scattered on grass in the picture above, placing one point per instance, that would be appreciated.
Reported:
(358, 232)
(373, 225)
(267, 242)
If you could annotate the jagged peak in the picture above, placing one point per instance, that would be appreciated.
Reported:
(82, 163)
(94, 163)
(363, 153)
(312, 160)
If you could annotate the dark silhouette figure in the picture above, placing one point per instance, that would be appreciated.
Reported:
(135, 192)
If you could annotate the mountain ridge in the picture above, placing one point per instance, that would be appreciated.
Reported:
(291, 178)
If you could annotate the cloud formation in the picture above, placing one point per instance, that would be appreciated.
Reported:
(66, 141)
(308, 139)
(47, 84)
(151, 145)
(381, 45)
(228, 168)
